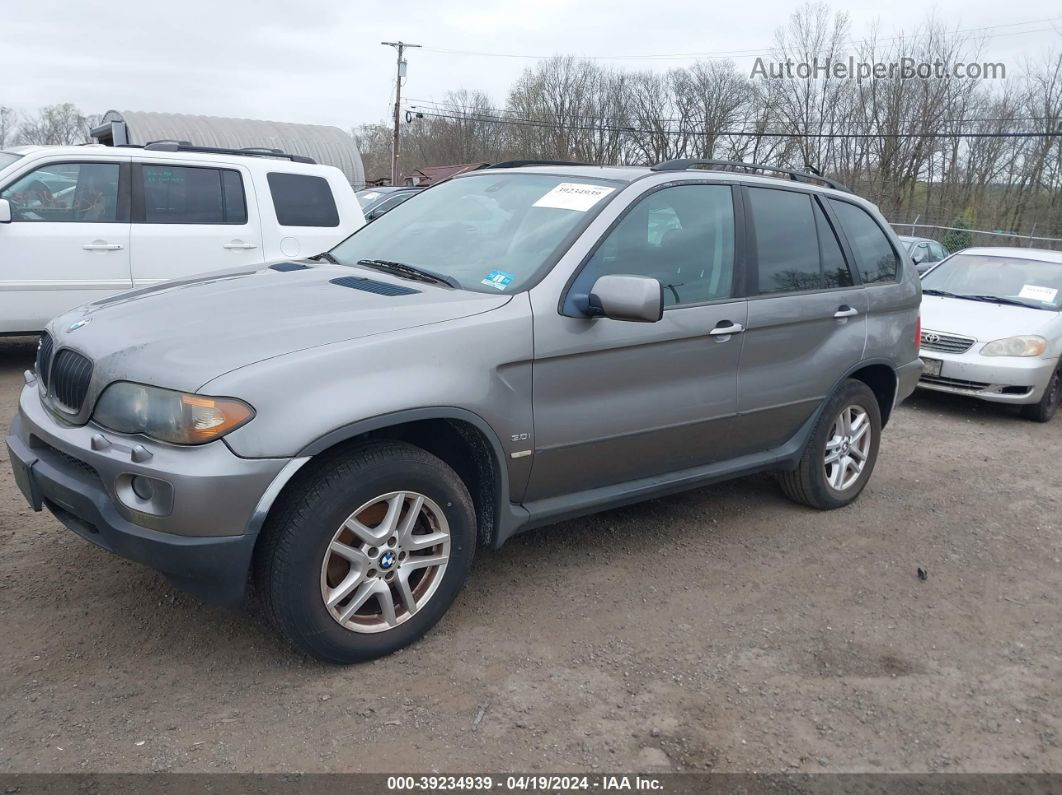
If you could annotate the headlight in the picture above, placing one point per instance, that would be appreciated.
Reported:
(169, 416)
(1016, 346)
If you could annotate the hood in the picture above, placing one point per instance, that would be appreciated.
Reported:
(185, 333)
(982, 320)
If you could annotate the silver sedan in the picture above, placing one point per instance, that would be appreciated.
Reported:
(992, 327)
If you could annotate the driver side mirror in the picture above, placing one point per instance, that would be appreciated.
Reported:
(920, 254)
(639, 299)
(5, 211)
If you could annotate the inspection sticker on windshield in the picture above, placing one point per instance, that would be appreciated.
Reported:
(498, 280)
(574, 196)
(1038, 293)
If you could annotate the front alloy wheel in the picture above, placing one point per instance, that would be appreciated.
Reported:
(367, 550)
(385, 562)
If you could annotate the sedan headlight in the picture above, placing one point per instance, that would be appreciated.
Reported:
(1016, 346)
(168, 416)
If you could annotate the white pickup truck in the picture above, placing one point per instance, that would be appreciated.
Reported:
(79, 223)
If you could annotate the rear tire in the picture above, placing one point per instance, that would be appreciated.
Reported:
(366, 553)
(1048, 405)
(840, 454)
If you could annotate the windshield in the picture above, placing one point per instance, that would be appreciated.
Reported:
(1030, 282)
(367, 197)
(7, 158)
(491, 232)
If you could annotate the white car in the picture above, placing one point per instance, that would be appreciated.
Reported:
(79, 223)
(992, 327)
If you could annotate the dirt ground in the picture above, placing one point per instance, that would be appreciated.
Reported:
(722, 629)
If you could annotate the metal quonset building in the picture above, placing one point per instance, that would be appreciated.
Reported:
(328, 145)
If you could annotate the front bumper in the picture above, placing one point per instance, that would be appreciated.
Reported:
(998, 379)
(202, 541)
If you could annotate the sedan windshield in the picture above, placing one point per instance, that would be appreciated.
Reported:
(1027, 282)
(489, 232)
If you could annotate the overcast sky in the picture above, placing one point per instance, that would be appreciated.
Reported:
(320, 61)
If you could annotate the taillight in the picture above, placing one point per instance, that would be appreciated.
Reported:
(918, 331)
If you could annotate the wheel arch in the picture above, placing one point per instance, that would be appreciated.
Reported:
(461, 438)
(881, 377)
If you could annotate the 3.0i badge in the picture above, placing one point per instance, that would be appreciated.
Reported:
(78, 324)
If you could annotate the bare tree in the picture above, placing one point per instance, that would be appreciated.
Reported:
(55, 124)
(7, 125)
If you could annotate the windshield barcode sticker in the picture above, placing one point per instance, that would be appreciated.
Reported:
(1037, 293)
(574, 196)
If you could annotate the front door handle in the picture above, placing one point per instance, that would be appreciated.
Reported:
(100, 245)
(845, 311)
(725, 328)
(239, 244)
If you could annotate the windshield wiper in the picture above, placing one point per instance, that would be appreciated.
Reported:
(410, 271)
(995, 299)
(326, 256)
(944, 293)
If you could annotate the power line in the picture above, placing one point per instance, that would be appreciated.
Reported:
(507, 113)
(745, 133)
(748, 53)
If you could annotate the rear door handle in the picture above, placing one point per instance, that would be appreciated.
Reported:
(239, 244)
(102, 247)
(726, 330)
(845, 311)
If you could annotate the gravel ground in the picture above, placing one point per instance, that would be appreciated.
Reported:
(722, 629)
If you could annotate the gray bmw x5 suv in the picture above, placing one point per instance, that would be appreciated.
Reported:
(516, 346)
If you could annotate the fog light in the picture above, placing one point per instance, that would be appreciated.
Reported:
(142, 488)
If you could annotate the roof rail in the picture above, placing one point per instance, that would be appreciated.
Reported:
(730, 165)
(522, 163)
(250, 151)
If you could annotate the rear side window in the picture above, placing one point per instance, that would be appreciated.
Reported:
(302, 200)
(835, 271)
(187, 195)
(874, 255)
(787, 247)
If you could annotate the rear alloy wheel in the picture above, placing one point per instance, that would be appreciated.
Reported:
(368, 550)
(847, 448)
(1048, 405)
(841, 452)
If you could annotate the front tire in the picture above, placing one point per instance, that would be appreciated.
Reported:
(840, 454)
(1048, 405)
(367, 552)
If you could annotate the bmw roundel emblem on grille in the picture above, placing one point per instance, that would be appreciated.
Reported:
(78, 324)
(387, 560)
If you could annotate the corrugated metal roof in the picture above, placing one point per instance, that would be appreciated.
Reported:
(329, 145)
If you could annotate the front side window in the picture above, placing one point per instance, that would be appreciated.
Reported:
(681, 236)
(491, 232)
(301, 200)
(187, 195)
(874, 255)
(66, 192)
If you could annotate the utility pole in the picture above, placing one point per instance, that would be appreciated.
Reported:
(400, 73)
